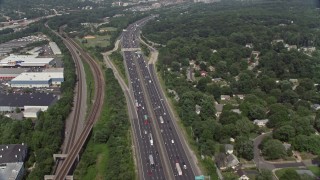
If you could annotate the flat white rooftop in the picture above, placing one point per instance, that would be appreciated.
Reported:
(10, 171)
(54, 47)
(38, 76)
(24, 60)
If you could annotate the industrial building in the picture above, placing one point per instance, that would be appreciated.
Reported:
(12, 157)
(35, 51)
(25, 61)
(10, 73)
(41, 101)
(55, 49)
(47, 78)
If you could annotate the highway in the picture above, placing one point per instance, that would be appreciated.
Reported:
(147, 93)
(144, 128)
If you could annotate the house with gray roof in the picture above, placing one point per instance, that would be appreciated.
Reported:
(261, 122)
(224, 161)
(219, 108)
(228, 148)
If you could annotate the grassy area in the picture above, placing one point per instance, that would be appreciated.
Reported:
(90, 84)
(306, 155)
(99, 40)
(315, 170)
(145, 49)
(92, 162)
(108, 29)
(280, 172)
(117, 60)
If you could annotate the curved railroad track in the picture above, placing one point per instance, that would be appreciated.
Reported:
(94, 114)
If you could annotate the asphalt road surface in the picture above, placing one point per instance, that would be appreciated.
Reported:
(147, 95)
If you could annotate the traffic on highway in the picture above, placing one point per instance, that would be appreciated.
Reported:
(148, 97)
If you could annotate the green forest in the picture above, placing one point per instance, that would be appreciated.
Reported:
(19, 9)
(266, 52)
(109, 154)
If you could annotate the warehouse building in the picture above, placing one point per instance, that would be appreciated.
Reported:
(47, 78)
(55, 49)
(41, 101)
(25, 61)
(10, 73)
(12, 157)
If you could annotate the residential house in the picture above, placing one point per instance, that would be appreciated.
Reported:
(242, 175)
(286, 146)
(277, 41)
(236, 111)
(315, 107)
(249, 45)
(211, 68)
(176, 96)
(224, 161)
(225, 97)
(12, 157)
(219, 108)
(294, 81)
(240, 96)
(308, 50)
(261, 122)
(290, 47)
(203, 73)
(192, 63)
(216, 80)
(255, 54)
(228, 148)
(198, 109)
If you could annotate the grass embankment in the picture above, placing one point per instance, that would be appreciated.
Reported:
(90, 84)
(315, 170)
(145, 49)
(117, 59)
(280, 172)
(96, 40)
(206, 165)
(108, 154)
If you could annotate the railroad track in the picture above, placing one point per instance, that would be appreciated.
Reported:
(75, 121)
(76, 147)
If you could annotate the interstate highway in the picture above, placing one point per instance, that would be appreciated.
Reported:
(174, 150)
(144, 128)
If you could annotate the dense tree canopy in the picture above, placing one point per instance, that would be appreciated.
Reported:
(256, 51)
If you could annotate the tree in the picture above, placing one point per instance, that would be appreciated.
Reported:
(290, 174)
(256, 111)
(265, 175)
(307, 84)
(202, 84)
(273, 149)
(175, 66)
(284, 133)
(244, 148)
(289, 96)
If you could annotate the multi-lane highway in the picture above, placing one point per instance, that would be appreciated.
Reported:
(153, 115)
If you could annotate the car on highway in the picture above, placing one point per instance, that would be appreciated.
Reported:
(184, 165)
(172, 141)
